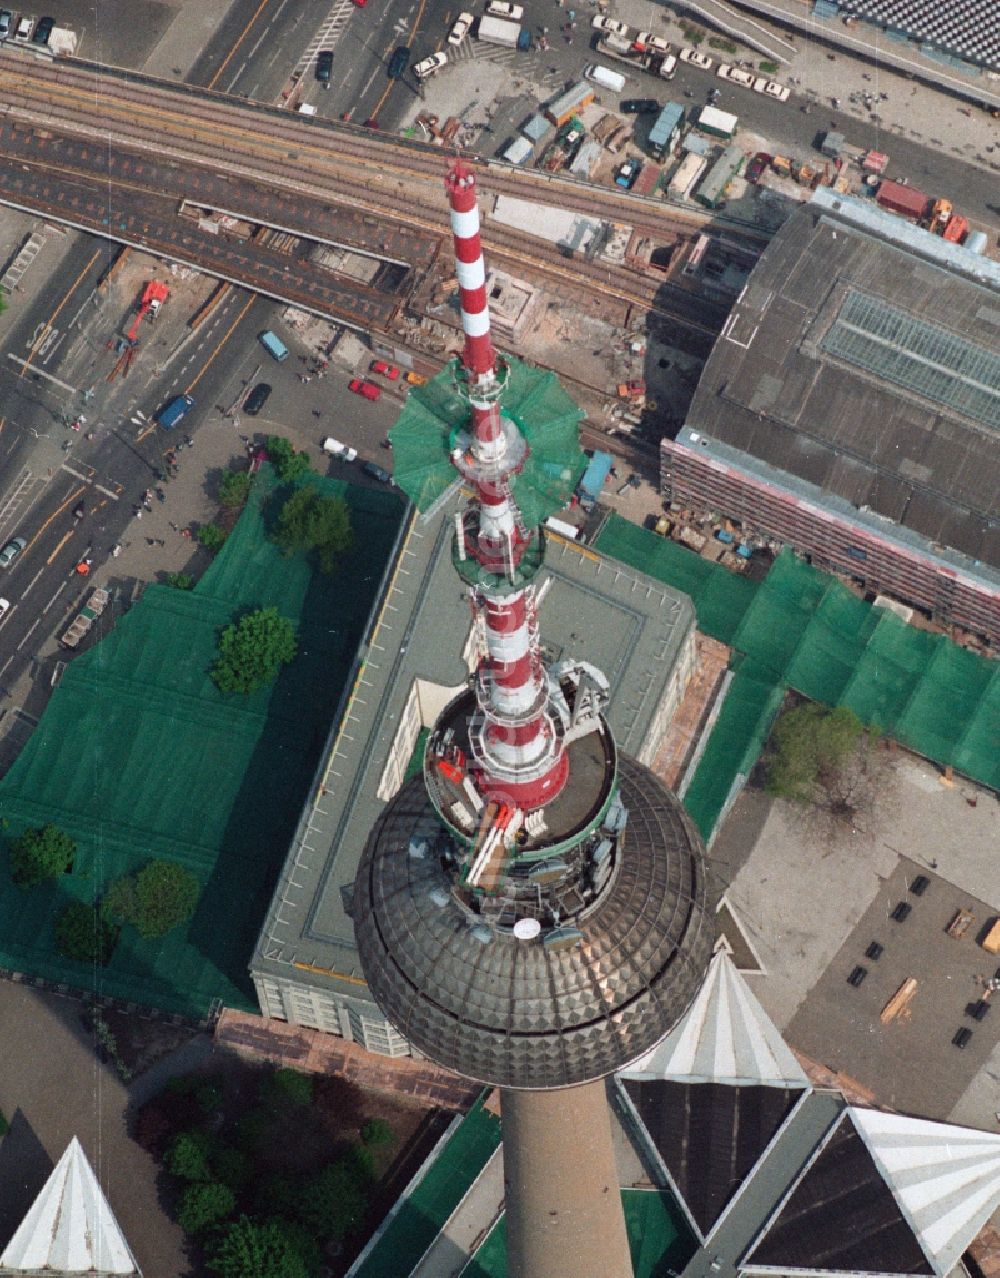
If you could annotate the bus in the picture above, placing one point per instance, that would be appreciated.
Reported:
(273, 345)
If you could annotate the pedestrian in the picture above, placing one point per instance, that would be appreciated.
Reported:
(138, 512)
(173, 526)
(186, 532)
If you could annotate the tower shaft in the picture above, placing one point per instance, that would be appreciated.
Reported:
(563, 1204)
(520, 754)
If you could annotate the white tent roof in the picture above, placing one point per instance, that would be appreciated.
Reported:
(724, 1037)
(70, 1228)
(945, 1179)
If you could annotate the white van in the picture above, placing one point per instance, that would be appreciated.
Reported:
(605, 77)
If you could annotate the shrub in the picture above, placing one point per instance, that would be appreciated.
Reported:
(287, 1087)
(211, 537)
(41, 853)
(234, 488)
(204, 1204)
(187, 1157)
(727, 46)
(308, 521)
(377, 1132)
(160, 897)
(256, 1249)
(253, 650)
(769, 68)
(179, 580)
(82, 934)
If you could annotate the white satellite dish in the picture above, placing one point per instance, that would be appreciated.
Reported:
(527, 929)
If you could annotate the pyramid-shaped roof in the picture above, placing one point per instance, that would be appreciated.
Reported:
(724, 1037)
(70, 1229)
(946, 1179)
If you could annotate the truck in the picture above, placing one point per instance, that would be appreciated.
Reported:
(618, 47)
(688, 173)
(900, 198)
(718, 124)
(503, 32)
(174, 410)
(591, 485)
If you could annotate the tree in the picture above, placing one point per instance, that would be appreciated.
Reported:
(257, 1249)
(289, 464)
(253, 650)
(234, 488)
(82, 934)
(202, 1204)
(309, 521)
(39, 854)
(179, 580)
(377, 1132)
(287, 1087)
(823, 757)
(211, 537)
(231, 1167)
(334, 1201)
(187, 1156)
(160, 897)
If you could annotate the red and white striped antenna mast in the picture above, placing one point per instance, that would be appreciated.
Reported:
(517, 739)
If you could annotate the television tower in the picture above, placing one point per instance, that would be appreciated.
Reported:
(531, 911)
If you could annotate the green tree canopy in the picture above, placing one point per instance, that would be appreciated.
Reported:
(334, 1201)
(188, 1154)
(160, 897)
(310, 521)
(257, 1249)
(82, 934)
(179, 580)
(211, 537)
(289, 464)
(234, 488)
(203, 1204)
(813, 745)
(253, 650)
(287, 1087)
(39, 854)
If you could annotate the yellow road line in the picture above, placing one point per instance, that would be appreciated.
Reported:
(65, 539)
(229, 56)
(225, 338)
(52, 319)
(55, 515)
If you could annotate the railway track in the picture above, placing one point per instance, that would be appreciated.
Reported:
(191, 141)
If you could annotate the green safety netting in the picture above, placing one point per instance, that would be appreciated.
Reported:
(801, 628)
(659, 1239)
(422, 1214)
(138, 755)
(423, 437)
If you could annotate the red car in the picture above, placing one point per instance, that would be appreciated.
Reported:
(387, 370)
(367, 390)
(361, 3)
(757, 166)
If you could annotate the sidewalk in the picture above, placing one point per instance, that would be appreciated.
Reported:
(917, 110)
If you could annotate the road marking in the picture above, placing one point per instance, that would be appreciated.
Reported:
(62, 587)
(27, 635)
(229, 56)
(74, 496)
(55, 313)
(40, 372)
(222, 341)
(55, 552)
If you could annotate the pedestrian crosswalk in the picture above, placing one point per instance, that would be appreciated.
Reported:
(477, 51)
(328, 34)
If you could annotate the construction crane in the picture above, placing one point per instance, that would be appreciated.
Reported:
(153, 296)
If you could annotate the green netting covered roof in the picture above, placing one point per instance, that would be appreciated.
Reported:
(801, 628)
(533, 399)
(138, 755)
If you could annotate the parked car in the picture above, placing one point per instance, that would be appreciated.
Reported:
(626, 174)
(460, 28)
(757, 166)
(11, 551)
(389, 371)
(427, 67)
(376, 472)
(772, 88)
(725, 72)
(611, 26)
(639, 106)
(257, 398)
(43, 30)
(367, 390)
(503, 9)
(399, 61)
(324, 67)
(25, 26)
(4, 607)
(6, 22)
(696, 59)
(651, 43)
(336, 449)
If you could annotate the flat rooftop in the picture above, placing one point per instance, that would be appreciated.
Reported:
(627, 624)
(869, 369)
